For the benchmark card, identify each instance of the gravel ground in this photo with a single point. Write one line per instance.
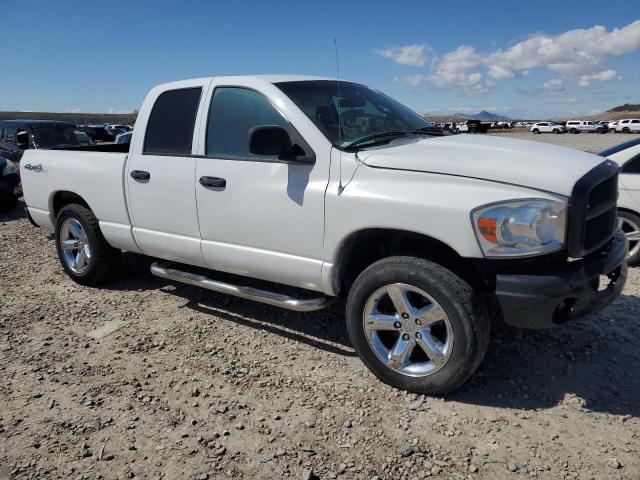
(201, 386)
(589, 142)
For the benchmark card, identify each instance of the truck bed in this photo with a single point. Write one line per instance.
(95, 175)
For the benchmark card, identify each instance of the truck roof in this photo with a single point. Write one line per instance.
(241, 78)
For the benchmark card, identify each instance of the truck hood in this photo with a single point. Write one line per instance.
(535, 165)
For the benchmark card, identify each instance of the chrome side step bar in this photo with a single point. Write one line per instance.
(262, 296)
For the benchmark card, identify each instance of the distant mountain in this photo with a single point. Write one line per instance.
(627, 107)
(628, 110)
(93, 118)
(486, 116)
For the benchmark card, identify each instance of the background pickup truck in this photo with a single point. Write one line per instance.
(338, 190)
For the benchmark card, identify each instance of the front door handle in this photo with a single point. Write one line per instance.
(140, 175)
(213, 182)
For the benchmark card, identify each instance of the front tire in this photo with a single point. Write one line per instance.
(416, 325)
(83, 251)
(629, 223)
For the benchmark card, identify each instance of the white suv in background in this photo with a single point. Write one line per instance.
(547, 127)
(577, 126)
(628, 126)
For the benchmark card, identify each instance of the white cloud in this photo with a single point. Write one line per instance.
(407, 55)
(555, 85)
(576, 55)
(603, 76)
(468, 84)
(500, 73)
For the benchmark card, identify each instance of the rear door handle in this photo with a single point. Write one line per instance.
(213, 182)
(140, 175)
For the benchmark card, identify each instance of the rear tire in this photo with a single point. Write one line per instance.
(446, 342)
(536, 131)
(83, 251)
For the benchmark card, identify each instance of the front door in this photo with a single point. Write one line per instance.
(259, 216)
(160, 177)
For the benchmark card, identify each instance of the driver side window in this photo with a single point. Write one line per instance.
(233, 113)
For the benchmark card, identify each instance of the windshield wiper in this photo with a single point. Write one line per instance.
(430, 129)
(375, 136)
(420, 131)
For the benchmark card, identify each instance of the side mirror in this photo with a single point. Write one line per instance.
(270, 140)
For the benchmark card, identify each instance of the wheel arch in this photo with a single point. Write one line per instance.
(629, 210)
(62, 198)
(364, 247)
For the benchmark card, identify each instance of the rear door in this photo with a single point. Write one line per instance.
(160, 173)
(266, 217)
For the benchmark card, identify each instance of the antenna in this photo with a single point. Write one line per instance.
(340, 187)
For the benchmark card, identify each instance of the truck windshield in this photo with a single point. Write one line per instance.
(349, 114)
(56, 136)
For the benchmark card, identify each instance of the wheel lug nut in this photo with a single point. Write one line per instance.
(397, 324)
(405, 336)
(418, 322)
(405, 315)
(418, 335)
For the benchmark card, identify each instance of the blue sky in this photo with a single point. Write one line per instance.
(524, 58)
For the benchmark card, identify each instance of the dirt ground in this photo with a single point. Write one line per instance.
(200, 386)
(589, 142)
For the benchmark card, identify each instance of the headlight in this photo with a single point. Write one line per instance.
(520, 227)
(9, 169)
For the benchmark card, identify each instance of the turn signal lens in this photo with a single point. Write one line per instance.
(487, 228)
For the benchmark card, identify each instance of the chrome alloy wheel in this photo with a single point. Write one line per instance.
(632, 232)
(408, 330)
(75, 246)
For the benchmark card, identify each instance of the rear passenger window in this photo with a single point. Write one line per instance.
(632, 166)
(234, 112)
(171, 123)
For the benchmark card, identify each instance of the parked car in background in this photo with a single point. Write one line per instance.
(547, 127)
(97, 133)
(9, 184)
(116, 130)
(124, 137)
(627, 155)
(628, 126)
(17, 136)
(461, 128)
(337, 189)
(580, 126)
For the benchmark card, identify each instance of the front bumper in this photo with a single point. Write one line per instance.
(573, 290)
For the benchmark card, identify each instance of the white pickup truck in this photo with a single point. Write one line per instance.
(578, 126)
(338, 190)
